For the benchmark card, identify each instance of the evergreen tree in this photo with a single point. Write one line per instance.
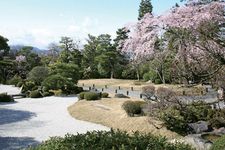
(122, 35)
(145, 7)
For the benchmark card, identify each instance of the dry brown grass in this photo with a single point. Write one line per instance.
(109, 112)
(127, 84)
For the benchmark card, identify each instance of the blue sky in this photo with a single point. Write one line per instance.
(40, 22)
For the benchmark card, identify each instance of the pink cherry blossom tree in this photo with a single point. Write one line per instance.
(188, 18)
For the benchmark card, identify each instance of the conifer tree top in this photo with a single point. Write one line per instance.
(144, 8)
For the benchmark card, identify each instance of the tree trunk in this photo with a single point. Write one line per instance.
(112, 74)
(138, 74)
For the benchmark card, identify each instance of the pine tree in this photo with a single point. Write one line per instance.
(145, 7)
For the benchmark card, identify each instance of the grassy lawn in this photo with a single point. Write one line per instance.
(109, 112)
(137, 85)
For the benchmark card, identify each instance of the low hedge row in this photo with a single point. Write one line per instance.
(92, 95)
(110, 140)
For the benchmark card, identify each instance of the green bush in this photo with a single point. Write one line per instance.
(110, 140)
(105, 95)
(91, 96)
(219, 144)
(158, 81)
(177, 119)
(38, 74)
(15, 80)
(134, 107)
(151, 75)
(6, 98)
(35, 94)
(81, 95)
(174, 121)
(56, 82)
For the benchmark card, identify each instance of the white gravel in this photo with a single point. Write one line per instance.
(34, 120)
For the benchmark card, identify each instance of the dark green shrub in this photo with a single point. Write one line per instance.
(110, 140)
(55, 82)
(158, 81)
(219, 144)
(217, 118)
(6, 98)
(177, 119)
(174, 121)
(38, 74)
(133, 107)
(35, 94)
(91, 96)
(81, 95)
(79, 90)
(105, 95)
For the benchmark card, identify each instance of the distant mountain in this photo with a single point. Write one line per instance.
(15, 48)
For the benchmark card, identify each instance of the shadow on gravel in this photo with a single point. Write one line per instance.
(15, 143)
(10, 116)
(8, 103)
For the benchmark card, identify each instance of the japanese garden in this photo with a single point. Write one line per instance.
(157, 84)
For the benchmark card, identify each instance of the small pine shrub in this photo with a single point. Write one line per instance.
(134, 107)
(219, 144)
(91, 96)
(6, 98)
(35, 94)
(105, 95)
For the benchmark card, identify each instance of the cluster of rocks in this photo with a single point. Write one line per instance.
(202, 130)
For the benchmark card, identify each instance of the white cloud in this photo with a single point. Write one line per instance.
(41, 36)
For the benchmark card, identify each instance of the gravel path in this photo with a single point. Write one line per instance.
(30, 121)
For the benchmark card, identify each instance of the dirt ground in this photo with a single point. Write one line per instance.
(109, 112)
(137, 85)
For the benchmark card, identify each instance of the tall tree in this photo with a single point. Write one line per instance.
(70, 51)
(121, 36)
(144, 8)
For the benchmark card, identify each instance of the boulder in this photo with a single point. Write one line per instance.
(196, 141)
(200, 127)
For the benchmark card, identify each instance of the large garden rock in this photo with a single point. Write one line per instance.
(197, 142)
(199, 127)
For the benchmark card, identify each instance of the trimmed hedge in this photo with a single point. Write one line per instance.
(81, 95)
(6, 98)
(133, 107)
(35, 94)
(110, 140)
(105, 95)
(91, 96)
